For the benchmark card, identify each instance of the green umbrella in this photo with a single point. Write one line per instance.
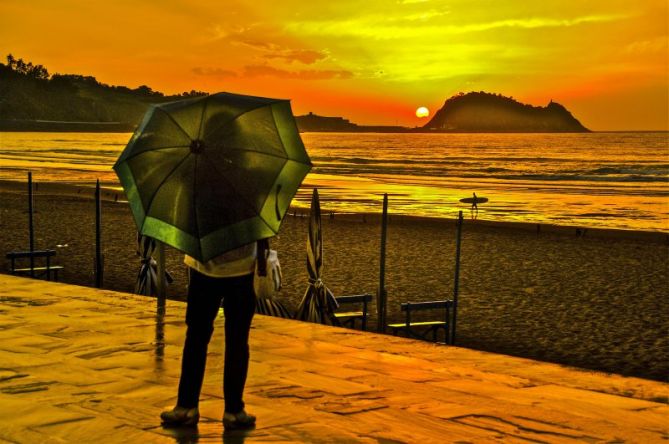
(210, 174)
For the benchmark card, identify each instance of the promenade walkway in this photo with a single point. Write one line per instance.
(94, 366)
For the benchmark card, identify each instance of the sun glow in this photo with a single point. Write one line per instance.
(422, 112)
(369, 62)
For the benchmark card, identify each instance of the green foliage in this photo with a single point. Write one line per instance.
(27, 69)
(29, 92)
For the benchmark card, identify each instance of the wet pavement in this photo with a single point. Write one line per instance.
(85, 365)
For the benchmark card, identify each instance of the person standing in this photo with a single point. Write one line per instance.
(228, 279)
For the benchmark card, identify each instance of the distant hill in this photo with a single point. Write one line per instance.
(314, 123)
(486, 112)
(31, 99)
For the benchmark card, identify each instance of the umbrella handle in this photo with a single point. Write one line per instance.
(263, 247)
(276, 202)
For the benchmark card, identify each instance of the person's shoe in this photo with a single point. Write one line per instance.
(241, 420)
(180, 416)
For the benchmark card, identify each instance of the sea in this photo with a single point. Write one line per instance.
(602, 179)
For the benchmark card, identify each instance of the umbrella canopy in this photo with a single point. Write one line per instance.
(210, 174)
(147, 278)
(318, 304)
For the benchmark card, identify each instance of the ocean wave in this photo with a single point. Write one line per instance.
(659, 170)
(491, 172)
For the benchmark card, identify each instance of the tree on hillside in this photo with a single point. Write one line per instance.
(193, 93)
(27, 69)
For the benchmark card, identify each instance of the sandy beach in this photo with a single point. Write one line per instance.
(589, 298)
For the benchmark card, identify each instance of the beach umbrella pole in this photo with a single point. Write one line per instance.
(31, 228)
(381, 295)
(98, 246)
(457, 276)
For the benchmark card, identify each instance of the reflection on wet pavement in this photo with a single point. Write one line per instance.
(87, 365)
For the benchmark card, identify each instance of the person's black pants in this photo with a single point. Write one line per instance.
(204, 299)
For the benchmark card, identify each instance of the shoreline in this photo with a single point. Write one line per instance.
(113, 194)
(55, 126)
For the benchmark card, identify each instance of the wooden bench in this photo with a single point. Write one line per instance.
(36, 271)
(421, 329)
(348, 318)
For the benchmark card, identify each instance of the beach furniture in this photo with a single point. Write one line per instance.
(421, 329)
(348, 318)
(46, 270)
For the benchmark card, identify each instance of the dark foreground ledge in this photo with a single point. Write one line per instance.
(87, 365)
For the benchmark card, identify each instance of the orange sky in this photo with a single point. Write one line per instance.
(373, 62)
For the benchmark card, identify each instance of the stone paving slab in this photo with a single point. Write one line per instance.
(86, 365)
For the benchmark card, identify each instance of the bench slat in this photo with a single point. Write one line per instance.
(416, 306)
(354, 298)
(417, 324)
(350, 314)
(35, 253)
(51, 268)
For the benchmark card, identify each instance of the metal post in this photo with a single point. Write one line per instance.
(457, 276)
(381, 294)
(161, 286)
(160, 333)
(98, 247)
(160, 306)
(31, 228)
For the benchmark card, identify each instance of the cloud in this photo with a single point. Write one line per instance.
(386, 28)
(303, 74)
(258, 44)
(656, 45)
(213, 72)
(274, 51)
(219, 32)
(305, 56)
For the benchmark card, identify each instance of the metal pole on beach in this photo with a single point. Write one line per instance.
(98, 247)
(381, 294)
(31, 228)
(457, 276)
(161, 286)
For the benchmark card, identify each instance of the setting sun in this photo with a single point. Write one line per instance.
(422, 112)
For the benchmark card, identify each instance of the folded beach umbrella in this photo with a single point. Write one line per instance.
(210, 174)
(272, 307)
(147, 278)
(318, 304)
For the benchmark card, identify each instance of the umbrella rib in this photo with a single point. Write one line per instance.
(262, 153)
(169, 116)
(133, 155)
(237, 116)
(235, 190)
(204, 109)
(167, 176)
(259, 214)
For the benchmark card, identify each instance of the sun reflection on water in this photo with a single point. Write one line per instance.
(618, 180)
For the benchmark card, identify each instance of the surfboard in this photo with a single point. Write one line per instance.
(477, 200)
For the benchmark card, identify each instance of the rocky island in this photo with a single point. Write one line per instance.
(474, 112)
(482, 112)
